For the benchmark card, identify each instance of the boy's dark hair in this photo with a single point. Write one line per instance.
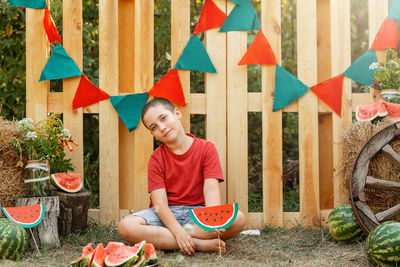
(155, 102)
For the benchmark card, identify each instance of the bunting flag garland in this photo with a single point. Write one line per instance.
(210, 17)
(394, 12)
(287, 88)
(387, 36)
(330, 91)
(50, 28)
(359, 70)
(237, 2)
(38, 4)
(169, 87)
(243, 17)
(259, 52)
(87, 94)
(60, 65)
(129, 108)
(195, 57)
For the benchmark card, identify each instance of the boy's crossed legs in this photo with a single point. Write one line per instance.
(136, 228)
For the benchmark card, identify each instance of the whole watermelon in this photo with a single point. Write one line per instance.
(13, 240)
(343, 225)
(383, 244)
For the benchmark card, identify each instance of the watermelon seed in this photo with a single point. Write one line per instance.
(216, 214)
(32, 216)
(207, 220)
(222, 217)
(222, 211)
(205, 213)
(25, 217)
(227, 211)
(215, 220)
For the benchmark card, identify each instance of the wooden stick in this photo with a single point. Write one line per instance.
(34, 241)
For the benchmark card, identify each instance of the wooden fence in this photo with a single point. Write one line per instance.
(126, 66)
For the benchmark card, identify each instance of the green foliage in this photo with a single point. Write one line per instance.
(387, 74)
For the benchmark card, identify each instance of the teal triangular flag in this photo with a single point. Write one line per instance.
(287, 88)
(237, 2)
(243, 17)
(394, 12)
(359, 71)
(38, 4)
(195, 57)
(59, 66)
(129, 108)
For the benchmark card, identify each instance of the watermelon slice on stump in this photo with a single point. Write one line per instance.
(215, 217)
(69, 182)
(27, 216)
(371, 111)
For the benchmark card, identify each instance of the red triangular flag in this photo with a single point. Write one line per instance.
(87, 94)
(50, 28)
(387, 36)
(259, 52)
(330, 91)
(169, 87)
(210, 17)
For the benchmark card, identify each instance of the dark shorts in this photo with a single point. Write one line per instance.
(181, 214)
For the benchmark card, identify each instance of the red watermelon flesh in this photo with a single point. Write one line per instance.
(123, 255)
(111, 246)
(87, 249)
(69, 182)
(393, 110)
(150, 253)
(215, 217)
(98, 257)
(27, 216)
(371, 111)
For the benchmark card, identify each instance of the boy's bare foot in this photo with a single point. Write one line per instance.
(210, 245)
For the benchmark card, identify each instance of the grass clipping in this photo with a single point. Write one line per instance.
(381, 167)
(11, 182)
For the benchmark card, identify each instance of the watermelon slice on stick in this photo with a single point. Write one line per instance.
(215, 217)
(27, 216)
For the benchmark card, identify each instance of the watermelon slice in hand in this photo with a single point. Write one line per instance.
(27, 216)
(69, 182)
(215, 217)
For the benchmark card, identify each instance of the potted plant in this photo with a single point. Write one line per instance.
(41, 151)
(387, 77)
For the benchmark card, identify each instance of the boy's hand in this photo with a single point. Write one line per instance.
(220, 232)
(185, 242)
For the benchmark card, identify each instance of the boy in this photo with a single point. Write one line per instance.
(183, 173)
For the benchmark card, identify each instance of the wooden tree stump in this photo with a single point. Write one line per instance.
(46, 233)
(73, 210)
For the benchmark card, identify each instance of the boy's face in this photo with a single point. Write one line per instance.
(163, 124)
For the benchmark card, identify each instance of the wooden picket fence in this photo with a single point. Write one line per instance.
(126, 30)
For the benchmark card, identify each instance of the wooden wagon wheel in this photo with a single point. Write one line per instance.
(359, 179)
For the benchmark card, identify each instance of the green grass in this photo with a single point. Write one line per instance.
(291, 201)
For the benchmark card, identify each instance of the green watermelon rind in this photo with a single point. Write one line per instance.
(53, 180)
(383, 244)
(343, 226)
(212, 228)
(13, 249)
(26, 225)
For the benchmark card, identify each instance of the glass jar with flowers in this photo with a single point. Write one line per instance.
(41, 149)
(387, 77)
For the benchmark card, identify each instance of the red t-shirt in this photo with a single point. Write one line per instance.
(183, 175)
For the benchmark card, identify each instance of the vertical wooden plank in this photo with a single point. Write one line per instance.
(271, 121)
(377, 12)
(215, 88)
(325, 119)
(108, 118)
(37, 53)
(72, 42)
(340, 60)
(180, 34)
(144, 75)
(237, 136)
(126, 44)
(308, 113)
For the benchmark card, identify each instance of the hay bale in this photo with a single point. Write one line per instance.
(11, 177)
(354, 138)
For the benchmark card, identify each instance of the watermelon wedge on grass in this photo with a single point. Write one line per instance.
(215, 217)
(27, 216)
